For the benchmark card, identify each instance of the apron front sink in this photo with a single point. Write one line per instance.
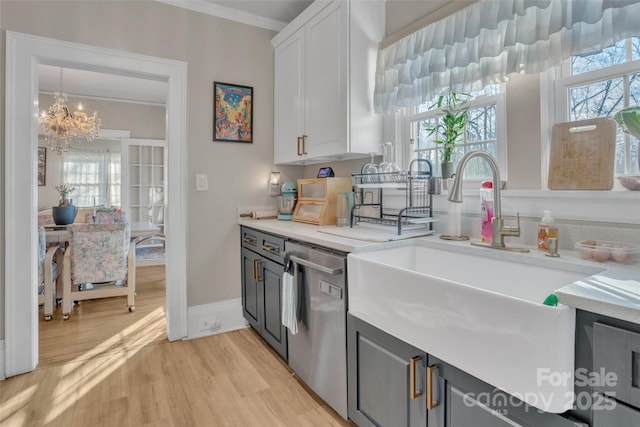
(483, 315)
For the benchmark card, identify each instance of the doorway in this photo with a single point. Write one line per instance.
(23, 54)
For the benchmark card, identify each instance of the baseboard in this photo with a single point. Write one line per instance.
(215, 318)
(2, 372)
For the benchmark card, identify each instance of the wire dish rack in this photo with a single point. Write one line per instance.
(403, 200)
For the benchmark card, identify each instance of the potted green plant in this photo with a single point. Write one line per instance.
(450, 128)
(629, 120)
(65, 213)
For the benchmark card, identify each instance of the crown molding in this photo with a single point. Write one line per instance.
(224, 12)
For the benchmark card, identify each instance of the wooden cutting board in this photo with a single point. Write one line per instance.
(582, 155)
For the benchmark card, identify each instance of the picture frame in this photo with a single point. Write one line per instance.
(42, 166)
(232, 112)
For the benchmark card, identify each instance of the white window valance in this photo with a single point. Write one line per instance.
(491, 39)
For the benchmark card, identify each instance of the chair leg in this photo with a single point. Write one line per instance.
(131, 278)
(48, 294)
(66, 286)
(48, 282)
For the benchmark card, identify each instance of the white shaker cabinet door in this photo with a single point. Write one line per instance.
(326, 81)
(289, 99)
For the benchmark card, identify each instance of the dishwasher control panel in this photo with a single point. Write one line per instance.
(330, 289)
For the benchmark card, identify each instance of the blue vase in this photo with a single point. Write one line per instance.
(64, 215)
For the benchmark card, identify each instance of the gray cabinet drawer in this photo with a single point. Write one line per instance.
(614, 414)
(268, 245)
(617, 351)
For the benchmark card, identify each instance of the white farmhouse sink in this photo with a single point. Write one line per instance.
(482, 315)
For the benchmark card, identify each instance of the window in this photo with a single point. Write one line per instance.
(93, 174)
(485, 131)
(600, 84)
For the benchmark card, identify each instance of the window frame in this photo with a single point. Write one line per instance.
(409, 115)
(554, 100)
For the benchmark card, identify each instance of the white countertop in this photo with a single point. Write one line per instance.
(311, 233)
(612, 290)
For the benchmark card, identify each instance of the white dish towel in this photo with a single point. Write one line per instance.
(289, 299)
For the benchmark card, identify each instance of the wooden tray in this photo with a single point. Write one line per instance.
(582, 155)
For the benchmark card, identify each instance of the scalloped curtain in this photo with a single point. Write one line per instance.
(489, 40)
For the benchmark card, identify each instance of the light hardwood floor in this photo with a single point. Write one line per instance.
(108, 367)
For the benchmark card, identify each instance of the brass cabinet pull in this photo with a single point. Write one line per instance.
(249, 240)
(304, 139)
(413, 393)
(256, 270)
(430, 403)
(272, 249)
(299, 152)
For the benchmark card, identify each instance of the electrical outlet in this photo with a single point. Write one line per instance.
(210, 324)
(217, 324)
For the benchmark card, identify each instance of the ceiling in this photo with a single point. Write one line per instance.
(270, 14)
(278, 10)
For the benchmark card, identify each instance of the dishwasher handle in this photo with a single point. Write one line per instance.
(313, 265)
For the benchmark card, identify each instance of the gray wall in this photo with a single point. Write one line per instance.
(215, 49)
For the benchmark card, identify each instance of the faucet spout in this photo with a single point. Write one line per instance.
(499, 231)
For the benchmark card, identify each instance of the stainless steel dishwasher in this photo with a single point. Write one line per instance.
(318, 352)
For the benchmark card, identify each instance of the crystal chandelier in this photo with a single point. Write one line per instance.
(61, 128)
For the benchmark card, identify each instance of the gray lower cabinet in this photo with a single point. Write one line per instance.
(460, 399)
(392, 383)
(613, 413)
(386, 378)
(608, 361)
(261, 295)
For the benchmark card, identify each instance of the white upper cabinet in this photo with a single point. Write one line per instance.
(324, 81)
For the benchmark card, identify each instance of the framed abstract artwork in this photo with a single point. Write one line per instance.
(42, 166)
(232, 112)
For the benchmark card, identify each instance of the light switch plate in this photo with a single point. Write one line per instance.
(202, 182)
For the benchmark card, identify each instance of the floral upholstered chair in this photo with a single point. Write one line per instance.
(49, 268)
(108, 217)
(98, 263)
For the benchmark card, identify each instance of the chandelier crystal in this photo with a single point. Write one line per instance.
(61, 128)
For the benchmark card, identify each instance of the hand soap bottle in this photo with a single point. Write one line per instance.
(486, 200)
(546, 230)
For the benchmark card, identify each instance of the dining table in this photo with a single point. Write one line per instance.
(139, 230)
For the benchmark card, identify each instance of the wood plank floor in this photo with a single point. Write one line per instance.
(108, 367)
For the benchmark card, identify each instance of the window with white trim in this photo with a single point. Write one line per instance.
(93, 174)
(485, 131)
(598, 85)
